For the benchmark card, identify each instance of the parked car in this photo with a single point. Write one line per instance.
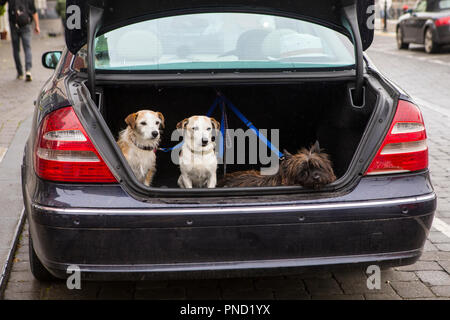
(428, 24)
(296, 66)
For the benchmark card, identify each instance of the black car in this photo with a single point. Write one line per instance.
(296, 66)
(428, 23)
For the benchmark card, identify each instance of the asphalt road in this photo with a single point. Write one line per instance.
(427, 78)
(422, 75)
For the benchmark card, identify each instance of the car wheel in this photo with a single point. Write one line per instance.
(400, 44)
(430, 45)
(37, 268)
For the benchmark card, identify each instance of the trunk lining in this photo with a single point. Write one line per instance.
(303, 112)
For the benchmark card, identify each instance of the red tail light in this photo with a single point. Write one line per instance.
(442, 22)
(65, 153)
(404, 149)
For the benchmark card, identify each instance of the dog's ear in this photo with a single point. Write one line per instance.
(131, 120)
(215, 123)
(286, 154)
(182, 124)
(160, 115)
(315, 147)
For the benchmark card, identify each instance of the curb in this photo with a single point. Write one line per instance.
(14, 213)
(385, 34)
(7, 267)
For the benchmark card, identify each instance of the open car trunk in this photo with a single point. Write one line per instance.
(303, 113)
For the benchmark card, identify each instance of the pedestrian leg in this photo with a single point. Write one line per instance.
(26, 42)
(15, 40)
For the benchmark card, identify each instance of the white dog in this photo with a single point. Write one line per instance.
(198, 162)
(139, 143)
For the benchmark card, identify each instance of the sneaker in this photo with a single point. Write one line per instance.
(19, 77)
(28, 76)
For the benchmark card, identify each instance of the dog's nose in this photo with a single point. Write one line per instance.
(155, 134)
(204, 142)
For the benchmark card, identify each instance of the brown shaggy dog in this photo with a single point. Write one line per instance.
(308, 168)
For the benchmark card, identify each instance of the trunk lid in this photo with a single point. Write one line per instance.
(117, 13)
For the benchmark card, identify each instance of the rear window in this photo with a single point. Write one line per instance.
(222, 41)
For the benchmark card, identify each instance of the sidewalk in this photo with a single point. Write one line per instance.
(391, 24)
(17, 97)
(16, 108)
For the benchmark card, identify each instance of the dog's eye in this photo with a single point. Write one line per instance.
(143, 123)
(157, 122)
(209, 129)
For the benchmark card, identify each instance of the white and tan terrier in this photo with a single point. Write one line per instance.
(139, 143)
(198, 161)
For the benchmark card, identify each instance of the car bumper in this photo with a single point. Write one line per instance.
(443, 35)
(149, 242)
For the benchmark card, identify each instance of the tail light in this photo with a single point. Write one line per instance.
(404, 149)
(442, 22)
(65, 153)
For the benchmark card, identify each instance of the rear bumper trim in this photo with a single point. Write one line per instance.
(241, 265)
(240, 209)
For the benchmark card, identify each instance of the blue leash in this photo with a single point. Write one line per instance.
(223, 103)
(173, 148)
(250, 125)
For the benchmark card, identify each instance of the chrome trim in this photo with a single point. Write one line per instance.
(241, 209)
(239, 265)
